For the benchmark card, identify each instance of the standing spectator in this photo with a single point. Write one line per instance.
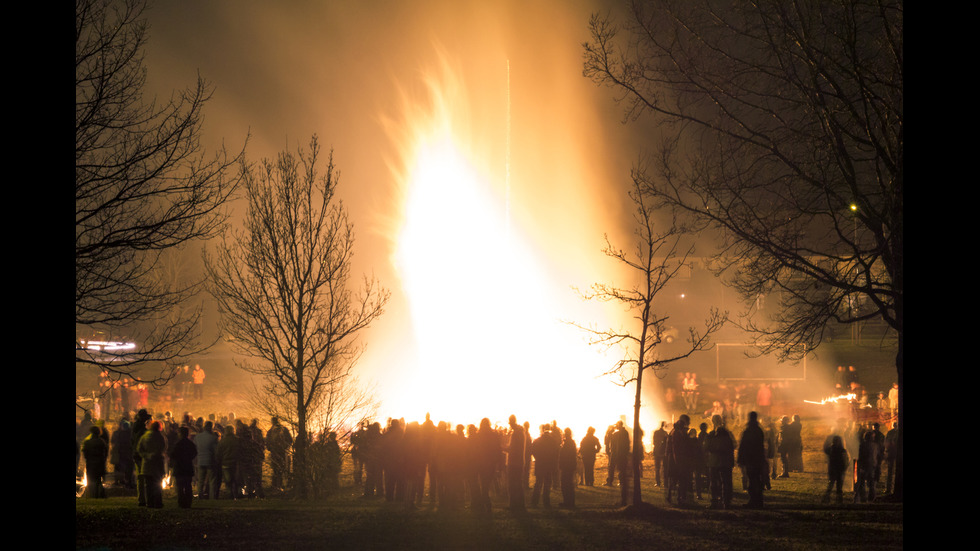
(687, 390)
(353, 448)
(720, 448)
(796, 444)
(487, 457)
(684, 456)
(182, 461)
(659, 454)
(527, 455)
(198, 379)
(227, 454)
(893, 400)
(332, 449)
(866, 464)
(208, 478)
(620, 445)
(701, 480)
(545, 450)
(879, 440)
(772, 445)
(567, 465)
(588, 449)
(515, 466)
(279, 441)
(752, 457)
(121, 452)
(184, 381)
(891, 456)
(837, 461)
(152, 449)
(140, 426)
(256, 459)
(610, 466)
(96, 453)
(786, 444)
(125, 395)
(371, 451)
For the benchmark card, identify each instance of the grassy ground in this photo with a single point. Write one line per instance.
(793, 518)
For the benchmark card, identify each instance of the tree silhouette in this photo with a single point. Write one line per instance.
(282, 283)
(782, 133)
(144, 188)
(657, 259)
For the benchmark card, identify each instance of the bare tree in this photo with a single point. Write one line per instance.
(143, 186)
(782, 125)
(656, 260)
(282, 283)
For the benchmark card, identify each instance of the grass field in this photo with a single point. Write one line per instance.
(793, 518)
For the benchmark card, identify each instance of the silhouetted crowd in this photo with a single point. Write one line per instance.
(465, 466)
(213, 456)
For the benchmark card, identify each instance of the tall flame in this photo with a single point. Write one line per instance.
(486, 309)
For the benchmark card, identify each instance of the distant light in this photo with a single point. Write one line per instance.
(683, 295)
(109, 345)
(854, 207)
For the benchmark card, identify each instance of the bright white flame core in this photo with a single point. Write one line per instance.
(486, 313)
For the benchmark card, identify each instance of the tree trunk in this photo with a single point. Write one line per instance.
(637, 440)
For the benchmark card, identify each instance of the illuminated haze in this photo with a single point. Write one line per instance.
(479, 234)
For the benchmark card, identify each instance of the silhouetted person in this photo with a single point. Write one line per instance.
(785, 443)
(752, 458)
(891, 456)
(879, 440)
(867, 462)
(610, 466)
(355, 453)
(208, 478)
(684, 457)
(527, 455)
(332, 457)
(567, 467)
(720, 448)
(182, 461)
(140, 426)
(660, 453)
(486, 448)
(837, 462)
(121, 452)
(515, 466)
(619, 444)
(796, 444)
(228, 454)
(152, 448)
(279, 441)
(96, 453)
(373, 471)
(391, 452)
(545, 454)
(589, 447)
(701, 480)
